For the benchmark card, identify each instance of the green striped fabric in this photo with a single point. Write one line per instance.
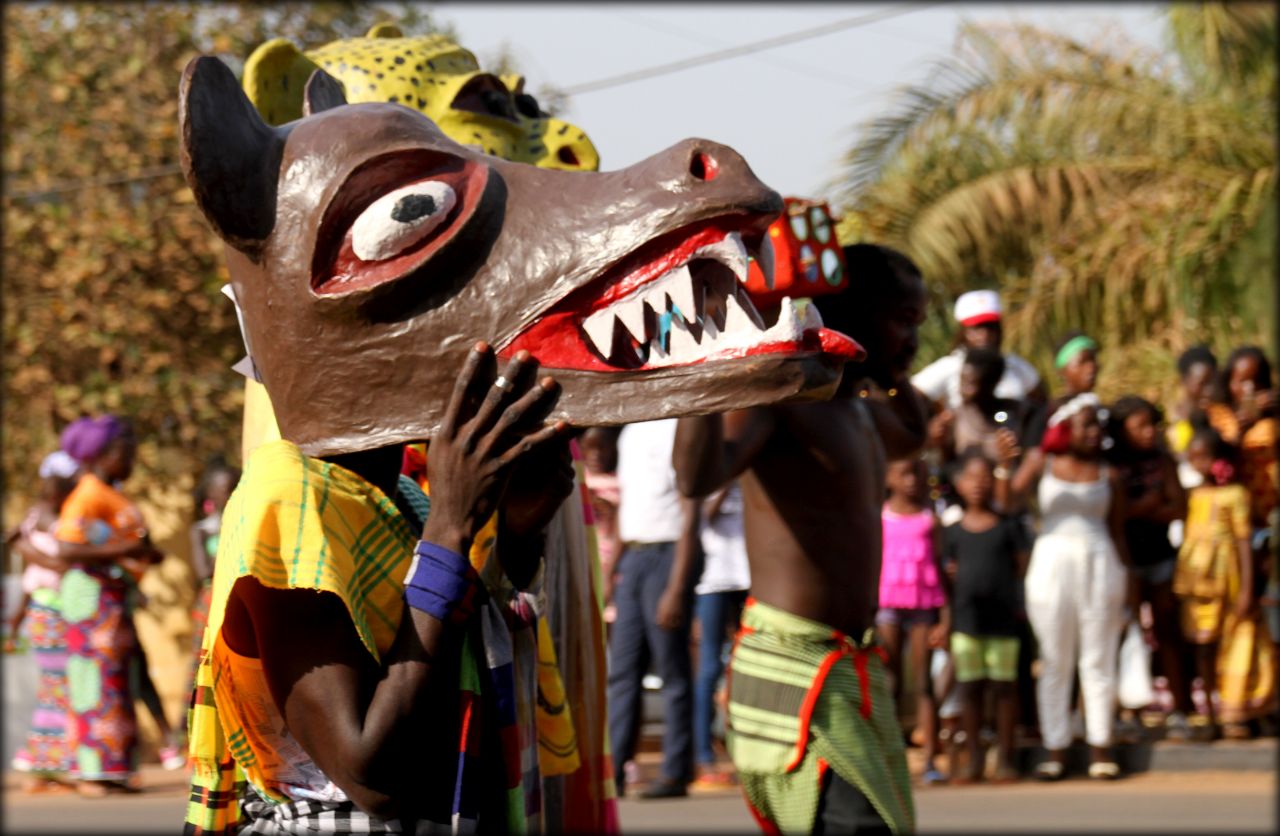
(775, 679)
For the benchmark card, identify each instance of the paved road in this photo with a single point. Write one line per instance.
(1188, 802)
(20, 678)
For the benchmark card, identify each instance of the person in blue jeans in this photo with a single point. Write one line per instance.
(721, 592)
(653, 592)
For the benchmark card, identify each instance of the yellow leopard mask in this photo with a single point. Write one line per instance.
(431, 74)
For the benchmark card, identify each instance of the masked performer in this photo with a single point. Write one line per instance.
(434, 75)
(368, 252)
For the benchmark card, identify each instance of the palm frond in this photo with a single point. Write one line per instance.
(1225, 46)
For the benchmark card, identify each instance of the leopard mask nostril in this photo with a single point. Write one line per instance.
(566, 156)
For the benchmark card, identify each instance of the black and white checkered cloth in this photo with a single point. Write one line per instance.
(307, 818)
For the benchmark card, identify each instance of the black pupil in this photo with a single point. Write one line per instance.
(413, 206)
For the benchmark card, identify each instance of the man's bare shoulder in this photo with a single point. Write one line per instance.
(838, 412)
(835, 430)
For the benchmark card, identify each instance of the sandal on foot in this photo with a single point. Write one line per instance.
(714, 780)
(93, 789)
(1236, 731)
(42, 786)
(1104, 770)
(1050, 771)
(171, 758)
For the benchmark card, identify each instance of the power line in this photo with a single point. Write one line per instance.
(587, 87)
(777, 61)
(743, 49)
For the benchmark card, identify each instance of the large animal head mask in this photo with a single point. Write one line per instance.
(369, 252)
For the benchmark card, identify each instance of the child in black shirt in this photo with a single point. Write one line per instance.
(990, 556)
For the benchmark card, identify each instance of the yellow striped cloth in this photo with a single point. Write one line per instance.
(295, 522)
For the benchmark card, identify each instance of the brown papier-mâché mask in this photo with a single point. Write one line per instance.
(369, 252)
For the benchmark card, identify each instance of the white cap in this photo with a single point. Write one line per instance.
(1084, 400)
(58, 464)
(977, 307)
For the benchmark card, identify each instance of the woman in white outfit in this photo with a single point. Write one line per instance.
(1078, 584)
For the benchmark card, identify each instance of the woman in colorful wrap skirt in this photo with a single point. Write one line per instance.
(101, 536)
(44, 757)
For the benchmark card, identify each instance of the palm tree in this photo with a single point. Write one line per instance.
(1125, 193)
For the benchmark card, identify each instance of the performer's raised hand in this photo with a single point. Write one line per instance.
(488, 425)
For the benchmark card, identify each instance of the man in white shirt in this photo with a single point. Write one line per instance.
(653, 595)
(721, 593)
(978, 313)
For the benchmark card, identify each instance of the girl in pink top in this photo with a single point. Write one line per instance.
(912, 597)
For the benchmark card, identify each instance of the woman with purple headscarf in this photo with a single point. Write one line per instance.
(101, 536)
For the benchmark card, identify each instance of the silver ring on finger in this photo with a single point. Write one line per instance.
(503, 384)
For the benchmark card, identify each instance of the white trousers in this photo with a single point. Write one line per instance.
(1075, 602)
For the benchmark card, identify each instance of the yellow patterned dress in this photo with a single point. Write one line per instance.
(1207, 581)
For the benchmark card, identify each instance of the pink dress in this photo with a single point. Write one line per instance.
(908, 570)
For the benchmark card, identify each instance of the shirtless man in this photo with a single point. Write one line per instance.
(815, 739)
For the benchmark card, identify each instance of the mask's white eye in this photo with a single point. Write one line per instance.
(400, 219)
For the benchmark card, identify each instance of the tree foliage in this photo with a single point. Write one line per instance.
(111, 275)
(1097, 186)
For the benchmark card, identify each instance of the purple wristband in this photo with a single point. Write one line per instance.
(440, 583)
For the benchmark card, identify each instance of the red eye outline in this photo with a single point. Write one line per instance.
(337, 270)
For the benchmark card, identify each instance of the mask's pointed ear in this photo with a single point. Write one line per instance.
(230, 157)
(322, 92)
(384, 30)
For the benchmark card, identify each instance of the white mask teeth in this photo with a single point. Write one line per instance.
(683, 346)
(681, 290)
(631, 314)
(599, 330)
(729, 251)
(812, 317)
(695, 334)
(789, 325)
(736, 319)
(657, 300)
(765, 259)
